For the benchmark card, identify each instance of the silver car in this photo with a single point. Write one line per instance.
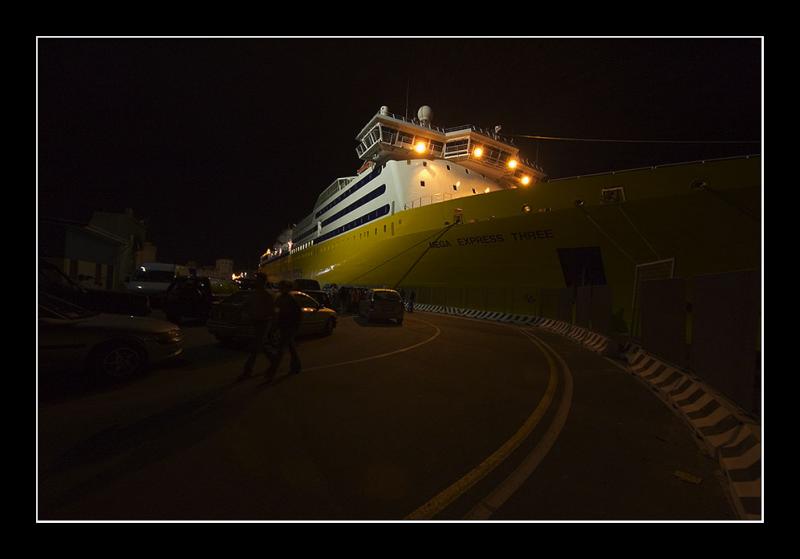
(114, 346)
(227, 323)
(382, 304)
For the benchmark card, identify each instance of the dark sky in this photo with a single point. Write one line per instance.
(222, 143)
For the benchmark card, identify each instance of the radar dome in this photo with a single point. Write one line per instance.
(425, 114)
(384, 110)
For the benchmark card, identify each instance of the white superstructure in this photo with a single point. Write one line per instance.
(408, 164)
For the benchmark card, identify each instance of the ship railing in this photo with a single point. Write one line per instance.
(479, 130)
(428, 200)
(415, 122)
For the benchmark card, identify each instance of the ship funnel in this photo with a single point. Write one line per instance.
(425, 115)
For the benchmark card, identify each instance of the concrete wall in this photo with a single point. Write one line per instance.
(708, 324)
(725, 334)
(663, 319)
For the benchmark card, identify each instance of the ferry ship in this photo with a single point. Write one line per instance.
(461, 218)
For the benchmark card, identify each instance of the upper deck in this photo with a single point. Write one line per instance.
(389, 136)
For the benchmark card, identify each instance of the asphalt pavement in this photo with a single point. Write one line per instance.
(427, 420)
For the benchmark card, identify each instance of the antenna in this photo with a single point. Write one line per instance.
(408, 86)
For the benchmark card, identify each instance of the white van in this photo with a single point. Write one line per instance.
(151, 278)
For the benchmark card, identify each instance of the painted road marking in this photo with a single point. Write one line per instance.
(447, 496)
(381, 355)
(513, 482)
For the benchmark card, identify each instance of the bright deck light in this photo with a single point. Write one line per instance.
(525, 179)
(420, 147)
(477, 152)
(512, 163)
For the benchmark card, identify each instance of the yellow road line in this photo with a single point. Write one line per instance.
(514, 481)
(443, 499)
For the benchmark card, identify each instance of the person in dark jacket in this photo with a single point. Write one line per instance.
(260, 311)
(288, 323)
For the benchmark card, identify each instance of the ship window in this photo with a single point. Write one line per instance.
(408, 162)
(422, 183)
(467, 170)
(384, 228)
(455, 187)
(424, 163)
(614, 195)
(473, 191)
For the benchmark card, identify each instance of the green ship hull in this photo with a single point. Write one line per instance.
(515, 250)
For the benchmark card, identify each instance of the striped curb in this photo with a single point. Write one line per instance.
(591, 340)
(729, 435)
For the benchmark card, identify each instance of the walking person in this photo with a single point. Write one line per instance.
(259, 309)
(288, 323)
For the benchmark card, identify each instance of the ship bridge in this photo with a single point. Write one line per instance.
(388, 136)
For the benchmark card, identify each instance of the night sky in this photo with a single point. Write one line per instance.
(222, 143)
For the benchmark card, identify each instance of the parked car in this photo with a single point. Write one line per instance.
(188, 298)
(306, 284)
(152, 279)
(226, 323)
(382, 304)
(246, 283)
(73, 339)
(54, 282)
(221, 288)
(321, 297)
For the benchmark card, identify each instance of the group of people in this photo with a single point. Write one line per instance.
(347, 298)
(260, 309)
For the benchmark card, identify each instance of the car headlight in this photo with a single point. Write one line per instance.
(170, 337)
